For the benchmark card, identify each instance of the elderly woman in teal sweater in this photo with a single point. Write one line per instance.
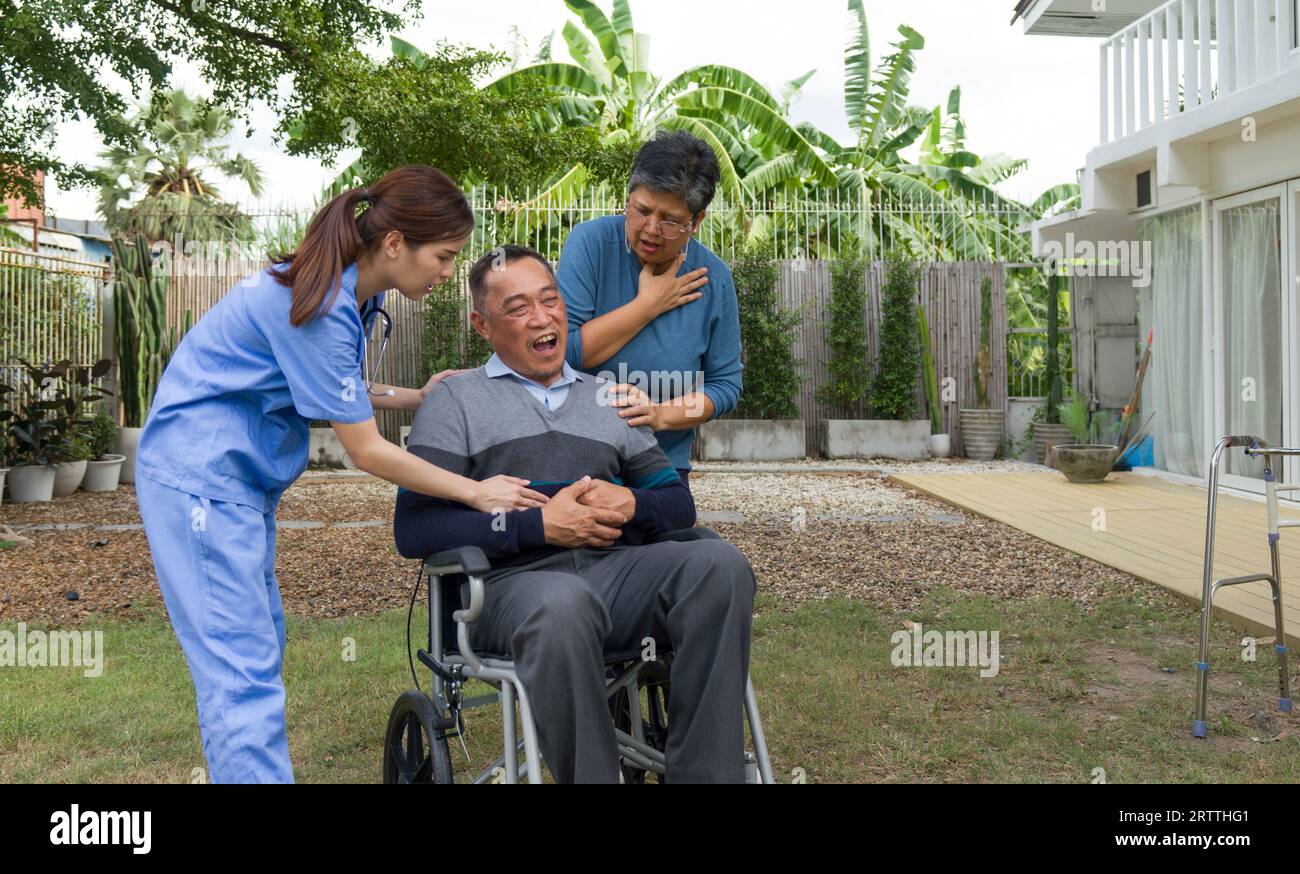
(649, 307)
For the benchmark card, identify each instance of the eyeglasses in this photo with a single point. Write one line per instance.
(669, 230)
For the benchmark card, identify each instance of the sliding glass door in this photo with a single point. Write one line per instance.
(1254, 377)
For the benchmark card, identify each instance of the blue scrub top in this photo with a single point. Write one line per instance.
(229, 420)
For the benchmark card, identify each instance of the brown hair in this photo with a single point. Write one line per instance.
(419, 202)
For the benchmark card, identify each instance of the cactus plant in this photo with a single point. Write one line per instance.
(930, 376)
(144, 341)
(983, 366)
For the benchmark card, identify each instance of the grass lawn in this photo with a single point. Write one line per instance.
(1078, 690)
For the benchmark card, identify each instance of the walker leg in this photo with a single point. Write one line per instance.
(1199, 726)
(1279, 643)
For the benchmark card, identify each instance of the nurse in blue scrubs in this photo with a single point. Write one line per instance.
(228, 433)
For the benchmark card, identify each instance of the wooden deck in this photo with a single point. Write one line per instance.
(1154, 530)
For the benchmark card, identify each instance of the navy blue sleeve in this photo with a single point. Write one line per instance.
(668, 507)
(423, 525)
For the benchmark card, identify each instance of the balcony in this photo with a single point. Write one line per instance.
(1191, 53)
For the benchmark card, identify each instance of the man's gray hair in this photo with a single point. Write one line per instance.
(677, 163)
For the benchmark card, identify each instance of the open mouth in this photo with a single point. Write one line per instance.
(546, 344)
(649, 248)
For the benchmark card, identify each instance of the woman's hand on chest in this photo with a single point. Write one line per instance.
(668, 291)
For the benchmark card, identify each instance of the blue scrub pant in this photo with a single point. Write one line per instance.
(215, 563)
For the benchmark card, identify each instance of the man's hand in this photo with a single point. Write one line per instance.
(608, 496)
(571, 524)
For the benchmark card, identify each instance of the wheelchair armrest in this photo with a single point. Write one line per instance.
(461, 560)
(686, 534)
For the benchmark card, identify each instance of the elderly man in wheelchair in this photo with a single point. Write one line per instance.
(591, 606)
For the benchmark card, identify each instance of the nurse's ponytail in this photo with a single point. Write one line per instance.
(420, 202)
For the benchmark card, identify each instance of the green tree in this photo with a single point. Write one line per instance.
(419, 107)
(54, 55)
(163, 181)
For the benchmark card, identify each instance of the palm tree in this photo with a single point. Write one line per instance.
(164, 181)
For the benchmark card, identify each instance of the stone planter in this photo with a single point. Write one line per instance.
(68, 476)
(31, 482)
(1086, 463)
(128, 444)
(981, 433)
(875, 438)
(941, 445)
(752, 440)
(102, 475)
(1047, 436)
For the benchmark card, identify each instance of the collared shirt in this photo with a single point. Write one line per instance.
(548, 396)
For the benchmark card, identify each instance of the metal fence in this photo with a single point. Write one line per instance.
(1027, 362)
(50, 310)
(779, 227)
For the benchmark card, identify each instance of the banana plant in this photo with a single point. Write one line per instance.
(608, 83)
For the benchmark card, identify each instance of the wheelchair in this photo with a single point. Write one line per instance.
(421, 724)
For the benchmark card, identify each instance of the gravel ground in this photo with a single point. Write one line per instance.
(809, 536)
(884, 465)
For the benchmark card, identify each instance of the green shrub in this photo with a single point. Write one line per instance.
(767, 337)
(846, 341)
(893, 395)
(99, 435)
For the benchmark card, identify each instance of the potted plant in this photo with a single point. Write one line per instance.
(1050, 432)
(766, 425)
(144, 341)
(104, 467)
(74, 390)
(940, 441)
(894, 431)
(38, 441)
(1089, 459)
(982, 427)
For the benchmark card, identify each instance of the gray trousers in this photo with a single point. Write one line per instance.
(559, 616)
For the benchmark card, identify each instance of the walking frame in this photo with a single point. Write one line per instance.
(1253, 447)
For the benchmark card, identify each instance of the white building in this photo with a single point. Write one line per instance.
(1197, 153)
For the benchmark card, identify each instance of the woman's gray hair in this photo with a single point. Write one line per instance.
(677, 163)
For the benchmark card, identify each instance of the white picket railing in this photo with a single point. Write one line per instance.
(1188, 53)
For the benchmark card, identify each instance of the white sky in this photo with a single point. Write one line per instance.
(1028, 96)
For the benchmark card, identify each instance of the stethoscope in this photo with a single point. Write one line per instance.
(383, 347)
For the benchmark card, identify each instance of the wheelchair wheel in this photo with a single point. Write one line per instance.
(414, 752)
(654, 721)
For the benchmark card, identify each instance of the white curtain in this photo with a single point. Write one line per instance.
(1172, 395)
(1252, 327)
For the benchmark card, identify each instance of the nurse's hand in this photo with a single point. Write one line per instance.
(437, 378)
(503, 492)
(667, 291)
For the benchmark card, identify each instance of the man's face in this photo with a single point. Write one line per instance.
(525, 320)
